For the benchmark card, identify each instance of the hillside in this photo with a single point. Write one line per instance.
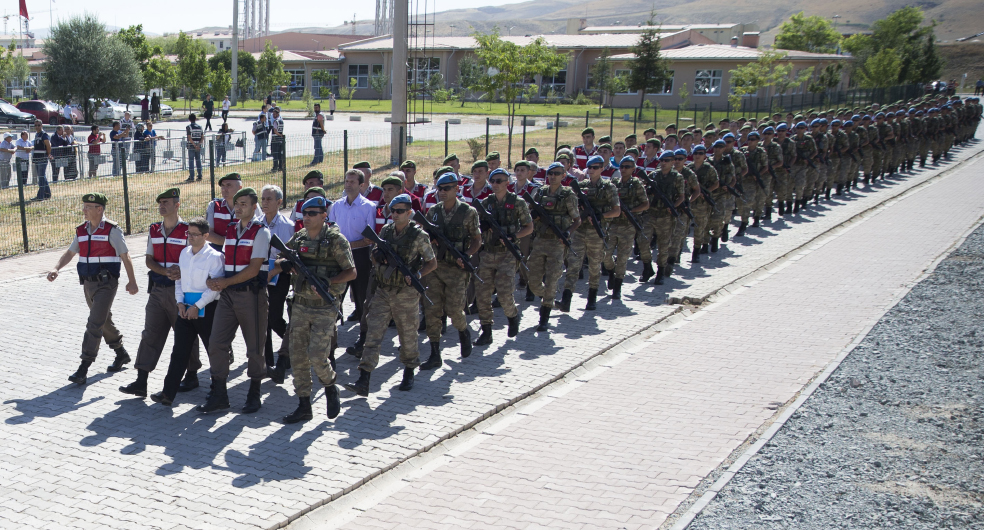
(963, 58)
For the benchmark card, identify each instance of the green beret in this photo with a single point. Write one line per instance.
(798, 117)
(531, 151)
(392, 180)
(605, 139)
(742, 119)
(95, 198)
(632, 150)
(173, 193)
(709, 126)
(442, 170)
(668, 136)
(362, 165)
(523, 163)
(605, 146)
(563, 156)
(563, 146)
(654, 142)
(587, 130)
(811, 111)
(746, 128)
(494, 155)
(314, 174)
(685, 134)
(710, 134)
(408, 164)
(670, 126)
(449, 158)
(649, 130)
(631, 136)
(243, 193)
(480, 163)
(317, 189)
(724, 120)
(230, 176)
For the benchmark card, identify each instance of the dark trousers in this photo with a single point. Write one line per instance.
(278, 152)
(277, 298)
(186, 335)
(99, 296)
(360, 285)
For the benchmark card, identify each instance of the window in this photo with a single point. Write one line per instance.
(624, 74)
(296, 80)
(423, 69)
(221, 44)
(556, 83)
(359, 72)
(707, 83)
(331, 85)
(667, 88)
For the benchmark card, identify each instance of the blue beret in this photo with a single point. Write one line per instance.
(856, 117)
(849, 123)
(728, 136)
(680, 152)
(315, 202)
(781, 127)
(879, 115)
(900, 113)
(801, 125)
(919, 113)
(835, 122)
(754, 135)
(556, 165)
(402, 198)
(447, 178)
(823, 121)
(596, 160)
(867, 117)
(500, 171)
(912, 109)
(667, 155)
(700, 149)
(718, 143)
(768, 130)
(627, 159)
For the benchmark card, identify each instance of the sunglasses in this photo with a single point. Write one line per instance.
(679, 158)
(498, 181)
(729, 141)
(626, 167)
(193, 234)
(312, 213)
(555, 173)
(446, 187)
(400, 210)
(594, 167)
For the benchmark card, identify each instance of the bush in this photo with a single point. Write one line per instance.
(646, 104)
(475, 147)
(441, 96)
(582, 99)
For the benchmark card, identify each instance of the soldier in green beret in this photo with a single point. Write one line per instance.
(101, 249)
(493, 160)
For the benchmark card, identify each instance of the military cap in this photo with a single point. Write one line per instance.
(531, 151)
(230, 176)
(746, 128)
(633, 150)
(919, 113)
(768, 130)
(879, 115)
(654, 142)
(631, 136)
(856, 117)
(815, 123)
(587, 130)
(668, 136)
(563, 146)
(499, 171)
(781, 127)
(480, 163)
(315, 202)
(317, 189)
(699, 149)
(724, 120)
(728, 136)
(362, 165)
(402, 198)
(173, 193)
(649, 130)
(523, 163)
(605, 139)
(447, 178)
(408, 164)
(836, 122)
(801, 125)
(447, 160)
(667, 155)
(556, 165)
(866, 117)
(811, 111)
(710, 134)
(627, 159)
(823, 121)
(494, 155)
(900, 113)
(849, 123)
(595, 159)
(670, 126)
(394, 181)
(680, 152)
(243, 193)
(754, 135)
(95, 198)
(605, 146)
(709, 125)
(798, 117)
(685, 134)
(314, 174)
(442, 170)
(563, 156)
(718, 143)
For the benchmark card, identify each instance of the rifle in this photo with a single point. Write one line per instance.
(590, 211)
(800, 154)
(685, 205)
(707, 197)
(295, 260)
(757, 175)
(436, 234)
(633, 220)
(771, 171)
(851, 152)
(545, 217)
(662, 197)
(395, 262)
(500, 233)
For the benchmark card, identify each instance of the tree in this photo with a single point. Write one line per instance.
(346, 92)
(270, 72)
(160, 73)
(807, 34)
(912, 43)
(650, 71)
(220, 81)
(83, 63)
(768, 71)
(193, 72)
(601, 75)
(378, 82)
(326, 80)
(880, 70)
(509, 66)
(828, 78)
(134, 38)
(246, 63)
(469, 75)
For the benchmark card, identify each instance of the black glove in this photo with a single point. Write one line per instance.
(287, 266)
(379, 256)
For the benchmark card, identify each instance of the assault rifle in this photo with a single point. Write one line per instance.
(633, 220)
(436, 234)
(651, 186)
(395, 262)
(757, 175)
(590, 212)
(804, 156)
(707, 197)
(299, 265)
(500, 233)
(545, 217)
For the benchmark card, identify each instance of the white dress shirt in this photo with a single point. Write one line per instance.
(353, 218)
(195, 270)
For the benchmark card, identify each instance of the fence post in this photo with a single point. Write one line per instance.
(611, 122)
(126, 191)
(399, 159)
(678, 117)
(20, 194)
(635, 120)
(710, 108)
(445, 138)
(211, 164)
(486, 136)
(586, 114)
(345, 150)
(556, 134)
(523, 155)
(695, 114)
(283, 166)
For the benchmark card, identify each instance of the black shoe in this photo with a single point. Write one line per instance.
(660, 272)
(592, 300)
(724, 234)
(789, 208)
(529, 294)
(421, 328)
(253, 403)
(332, 404)
(513, 326)
(137, 388)
(278, 372)
(782, 210)
(667, 270)
(704, 249)
(617, 289)
(796, 206)
(840, 190)
(190, 179)
(302, 412)
(189, 383)
(544, 318)
(218, 397)
(122, 358)
(407, 384)
(714, 244)
(486, 336)
(647, 271)
(695, 257)
(434, 360)
(741, 230)
(79, 376)
(354, 317)
(565, 301)
(464, 337)
(755, 223)
(199, 177)
(355, 351)
(161, 398)
(360, 387)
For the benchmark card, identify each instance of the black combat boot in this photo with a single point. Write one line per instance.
(796, 206)
(464, 337)
(333, 405)
(647, 272)
(724, 233)
(617, 289)
(279, 372)
(782, 210)
(80, 375)
(356, 349)
(789, 207)
(659, 275)
(529, 294)
(121, 359)
(406, 384)
(161, 398)
(513, 325)
(922, 161)
(695, 257)
(189, 383)
(668, 270)
(816, 198)
(137, 388)
(840, 190)
(768, 211)
(544, 318)
(755, 221)
(592, 300)
(302, 412)
(714, 244)
(218, 397)
(826, 195)
(361, 386)
(705, 248)
(434, 360)
(486, 336)
(741, 230)
(252, 397)
(565, 301)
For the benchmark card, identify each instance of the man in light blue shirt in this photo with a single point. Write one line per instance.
(353, 213)
(271, 199)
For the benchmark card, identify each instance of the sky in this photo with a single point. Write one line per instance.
(172, 15)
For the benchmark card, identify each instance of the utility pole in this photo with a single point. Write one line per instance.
(399, 77)
(235, 51)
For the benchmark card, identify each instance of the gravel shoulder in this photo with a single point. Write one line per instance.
(895, 437)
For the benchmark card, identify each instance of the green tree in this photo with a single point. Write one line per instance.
(808, 34)
(470, 74)
(828, 78)
(768, 72)
(913, 43)
(83, 63)
(601, 77)
(308, 101)
(378, 82)
(326, 80)
(346, 92)
(193, 72)
(135, 39)
(270, 72)
(650, 71)
(509, 67)
(220, 81)
(246, 63)
(20, 69)
(160, 73)
(880, 70)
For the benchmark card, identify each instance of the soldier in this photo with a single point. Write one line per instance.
(877, 154)
(804, 151)
(865, 147)
(723, 196)
(497, 267)
(839, 157)
(816, 175)
(587, 149)
(539, 174)
(853, 161)
(692, 191)
(758, 161)
(447, 285)
(495, 162)
(101, 249)
(673, 186)
(313, 179)
(414, 188)
(781, 182)
(165, 241)
(621, 234)
(242, 303)
(524, 182)
(707, 177)
(585, 241)
(327, 254)
(549, 252)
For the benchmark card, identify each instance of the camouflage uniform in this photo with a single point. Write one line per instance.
(673, 186)
(394, 299)
(877, 150)
(756, 159)
(312, 320)
(782, 184)
(585, 240)
(853, 155)
(722, 197)
(446, 286)
(793, 186)
(864, 149)
(839, 161)
(498, 266)
(805, 149)
(706, 176)
(621, 233)
(549, 253)
(679, 237)
(817, 176)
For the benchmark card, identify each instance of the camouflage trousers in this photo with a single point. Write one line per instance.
(446, 287)
(679, 236)
(620, 239)
(898, 154)
(783, 184)
(798, 176)
(702, 219)
(912, 148)
(587, 244)
(947, 142)
(311, 331)
(867, 158)
(401, 305)
(746, 203)
(644, 238)
(546, 263)
(498, 272)
(664, 225)
(838, 171)
(722, 215)
(812, 180)
(763, 198)
(924, 145)
(877, 161)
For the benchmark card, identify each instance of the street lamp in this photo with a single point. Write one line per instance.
(452, 26)
(835, 20)
(317, 42)
(509, 30)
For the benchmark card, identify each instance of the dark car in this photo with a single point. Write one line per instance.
(11, 114)
(45, 111)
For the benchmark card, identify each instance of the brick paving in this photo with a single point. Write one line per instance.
(92, 457)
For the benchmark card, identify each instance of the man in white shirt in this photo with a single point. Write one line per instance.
(353, 213)
(271, 199)
(198, 263)
(226, 104)
(7, 150)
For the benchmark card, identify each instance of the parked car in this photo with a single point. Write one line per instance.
(45, 111)
(11, 114)
(107, 110)
(77, 115)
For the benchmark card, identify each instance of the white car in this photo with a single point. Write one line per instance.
(134, 106)
(107, 110)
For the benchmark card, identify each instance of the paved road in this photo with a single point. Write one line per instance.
(92, 457)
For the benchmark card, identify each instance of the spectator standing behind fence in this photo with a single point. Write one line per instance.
(72, 169)
(277, 146)
(331, 104)
(155, 107)
(144, 109)
(140, 164)
(94, 141)
(22, 158)
(318, 132)
(226, 104)
(58, 144)
(223, 141)
(150, 135)
(261, 131)
(208, 107)
(195, 135)
(119, 137)
(67, 113)
(39, 158)
(7, 150)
